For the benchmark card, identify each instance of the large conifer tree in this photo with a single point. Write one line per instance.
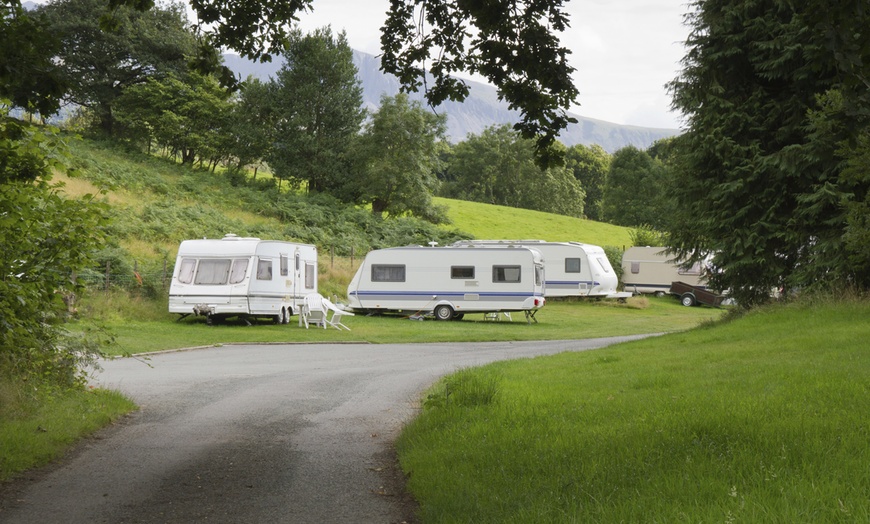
(757, 185)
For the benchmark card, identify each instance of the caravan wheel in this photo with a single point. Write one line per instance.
(443, 312)
(285, 315)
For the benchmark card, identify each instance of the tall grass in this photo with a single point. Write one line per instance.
(37, 430)
(762, 419)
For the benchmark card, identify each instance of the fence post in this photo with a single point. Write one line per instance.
(351, 258)
(108, 267)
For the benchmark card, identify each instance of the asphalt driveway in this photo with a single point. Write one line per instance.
(292, 433)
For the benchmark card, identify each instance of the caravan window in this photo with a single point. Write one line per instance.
(539, 275)
(388, 273)
(185, 274)
(310, 275)
(572, 265)
(285, 265)
(694, 270)
(635, 268)
(605, 266)
(506, 273)
(240, 269)
(212, 272)
(264, 269)
(461, 271)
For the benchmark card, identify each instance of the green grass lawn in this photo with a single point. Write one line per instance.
(557, 320)
(761, 419)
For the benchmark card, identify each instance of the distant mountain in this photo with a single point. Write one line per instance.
(480, 110)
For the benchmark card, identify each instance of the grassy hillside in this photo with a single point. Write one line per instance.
(156, 204)
(159, 203)
(487, 221)
(763, 419)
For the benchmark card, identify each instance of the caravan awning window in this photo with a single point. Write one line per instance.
(212, 271)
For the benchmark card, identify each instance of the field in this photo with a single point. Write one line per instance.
(557, 320)
(761, 419)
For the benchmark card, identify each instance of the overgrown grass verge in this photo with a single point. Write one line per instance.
(760, 419)
(35, 431)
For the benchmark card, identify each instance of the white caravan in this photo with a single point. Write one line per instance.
(573, 269)
(244, 277)
(449, 281)
(650, 270)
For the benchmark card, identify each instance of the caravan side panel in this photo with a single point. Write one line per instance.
(420, 279)
(573, 269)
(649, 270)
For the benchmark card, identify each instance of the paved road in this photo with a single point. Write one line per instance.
(254, 434)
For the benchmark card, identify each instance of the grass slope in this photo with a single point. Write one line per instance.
(763, 419)
(487, 221)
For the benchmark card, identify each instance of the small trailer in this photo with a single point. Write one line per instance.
(448, 282)
(651, 270)
(695, 295)
(573, 269)
(242, 277)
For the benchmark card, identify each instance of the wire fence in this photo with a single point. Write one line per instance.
(131, 276)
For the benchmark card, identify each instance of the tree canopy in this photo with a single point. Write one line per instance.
(761, 183)
(513, 43)
(317, 110)
(98, 65)
(396, 155)
(498, 167)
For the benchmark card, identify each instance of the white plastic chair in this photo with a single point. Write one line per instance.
(334, 314)
(314, 311)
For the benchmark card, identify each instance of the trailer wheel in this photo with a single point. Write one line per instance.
(443, 312)
(458, 316)
(687, 299)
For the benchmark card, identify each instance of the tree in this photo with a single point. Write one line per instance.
(396, 156)
(46, 238)
(29, 78)
(317, 103)
(635, 191)
(187, 116)
(590, 165)
(759, 185)
(251, 124)
(513, 44)
(498, 167)
(98, 65)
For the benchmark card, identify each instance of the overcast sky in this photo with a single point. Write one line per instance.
(624, 51)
